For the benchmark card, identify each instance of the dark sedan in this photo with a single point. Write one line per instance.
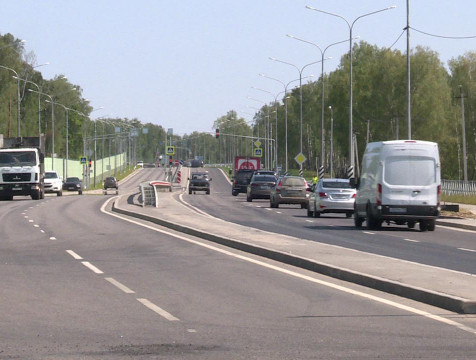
(73, 184)
(260, 187)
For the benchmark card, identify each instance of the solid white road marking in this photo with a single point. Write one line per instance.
(191, 330)
(158, 310)
(368, 232)
(304, 277)
(120, 286)
(91, 267)
(309, 221)
(463, 249)
(74, 255)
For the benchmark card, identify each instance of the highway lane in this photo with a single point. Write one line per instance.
(80, 283)
(441, 248)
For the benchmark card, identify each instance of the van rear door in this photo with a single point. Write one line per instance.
(410, 178)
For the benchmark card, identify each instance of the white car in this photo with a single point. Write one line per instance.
(53, 183)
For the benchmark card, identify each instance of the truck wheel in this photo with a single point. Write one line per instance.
(423, 225)
(59, 193)
(411, 224)
(431, 225)
(36, 195)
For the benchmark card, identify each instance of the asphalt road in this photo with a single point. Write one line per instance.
(446, 247)
(81, 283)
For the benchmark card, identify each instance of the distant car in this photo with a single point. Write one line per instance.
(140, 164)
(111, 183)
(196, 163)
(187, 163)
(266, 172)
(241, 181)
(332, 196)
(73, 184)
(199, 181)
(260, 186)
(290, 190)
(53, 183)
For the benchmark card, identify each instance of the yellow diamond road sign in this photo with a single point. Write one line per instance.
(258, 143)
(300, 158)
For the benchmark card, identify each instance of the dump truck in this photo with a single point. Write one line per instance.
(22, 169)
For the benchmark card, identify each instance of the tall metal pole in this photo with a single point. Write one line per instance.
(463, 134)
(18, 97)
(332, 144)
(409, 113)
(350, 171)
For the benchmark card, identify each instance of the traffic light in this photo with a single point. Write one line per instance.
(217, 133)
(89, 163)
(170, 160)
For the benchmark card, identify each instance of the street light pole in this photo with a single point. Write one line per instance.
(300, 70)
(39, 103)
(18, 97)
(350, 171)
(332, 143)
(323, 52)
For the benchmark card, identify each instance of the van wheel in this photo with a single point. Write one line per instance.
(423, 226)
(431, 225)
(358, 220)
(372, 222)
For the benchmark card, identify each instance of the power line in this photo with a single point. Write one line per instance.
(403, 32)
(445, 37)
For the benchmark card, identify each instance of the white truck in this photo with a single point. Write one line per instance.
(400, 183)
(53, 183)
(21, 167)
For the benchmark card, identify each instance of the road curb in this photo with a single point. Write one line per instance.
(440, 300)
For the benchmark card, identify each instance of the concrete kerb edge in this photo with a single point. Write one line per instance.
(456, 225)
(443, 301)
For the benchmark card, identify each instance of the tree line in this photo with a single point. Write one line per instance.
(36, 96)
(379, 108)
(379, 112)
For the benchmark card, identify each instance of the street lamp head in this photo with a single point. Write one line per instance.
(272, 58)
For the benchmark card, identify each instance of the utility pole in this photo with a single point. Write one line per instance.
(463, 134)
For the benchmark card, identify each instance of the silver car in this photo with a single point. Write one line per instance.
(332, 196)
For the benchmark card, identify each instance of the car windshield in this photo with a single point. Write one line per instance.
(51, 175)
(17, 158)
(72, 179)
(336, 185)
(199, 176)
(293, 181)
(264, 178)
(244, 175)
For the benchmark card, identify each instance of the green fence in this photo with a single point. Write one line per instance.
(97, 172)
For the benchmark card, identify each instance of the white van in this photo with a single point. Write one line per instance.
(400, 182)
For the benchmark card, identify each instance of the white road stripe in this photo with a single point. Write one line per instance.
(52, 238)
(309, 221)
(463, 249)
(368, 232)
(91, 267)
(36, 225)
(411, 240)
(74, 255)
(120, 286)
(304, 277)
(158, 310)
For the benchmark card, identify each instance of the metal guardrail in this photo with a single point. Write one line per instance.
(458, 187)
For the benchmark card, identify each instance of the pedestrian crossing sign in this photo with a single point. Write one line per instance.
(258, 152)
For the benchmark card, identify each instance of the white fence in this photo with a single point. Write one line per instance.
(458, 187)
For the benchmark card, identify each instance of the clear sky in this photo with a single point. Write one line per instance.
(182, 64)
